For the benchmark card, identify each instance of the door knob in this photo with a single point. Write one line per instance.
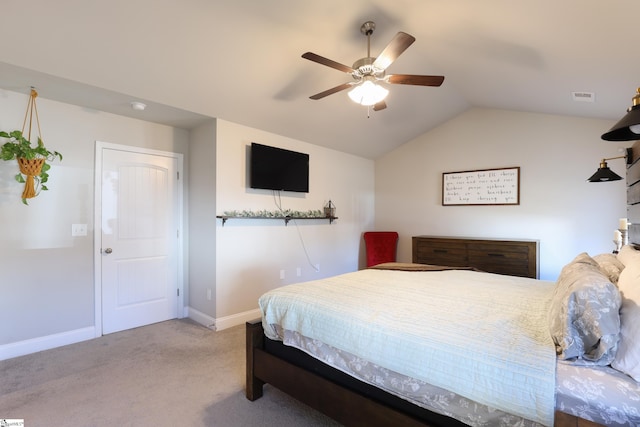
(108, 251)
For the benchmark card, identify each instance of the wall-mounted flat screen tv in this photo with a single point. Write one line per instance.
(273, 168)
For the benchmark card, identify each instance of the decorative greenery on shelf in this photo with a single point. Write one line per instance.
(274, 214)
(20, 148)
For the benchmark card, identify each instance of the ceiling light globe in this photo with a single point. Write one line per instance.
(368, 93)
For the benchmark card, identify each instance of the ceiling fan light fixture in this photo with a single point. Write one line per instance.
(368, 93)
(370, 70)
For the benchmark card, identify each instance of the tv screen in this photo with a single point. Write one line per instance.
(275, 168)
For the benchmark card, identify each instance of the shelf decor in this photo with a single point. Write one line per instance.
(481, 187)
(32, 159)
(286, 215)
(330, 209)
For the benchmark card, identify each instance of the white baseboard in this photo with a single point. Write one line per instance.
(223, 322)
(34, 345)
(200, 317)
(237, 319)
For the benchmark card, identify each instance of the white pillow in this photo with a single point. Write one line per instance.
(627, 357)
(629, 255)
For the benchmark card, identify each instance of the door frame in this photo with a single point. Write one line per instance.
(97, 223)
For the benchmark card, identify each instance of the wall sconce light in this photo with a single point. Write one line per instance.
(628, 128)
(604, 174)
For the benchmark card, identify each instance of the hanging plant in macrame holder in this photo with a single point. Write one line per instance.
(30, 168)
(32, 160)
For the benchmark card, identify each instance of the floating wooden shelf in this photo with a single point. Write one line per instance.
(286, 219)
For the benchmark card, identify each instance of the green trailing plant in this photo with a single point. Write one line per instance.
(18, 147)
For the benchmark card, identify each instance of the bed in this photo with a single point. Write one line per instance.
(302, 366)
(567, 352)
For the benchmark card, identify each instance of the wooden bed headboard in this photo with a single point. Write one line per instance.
(633, 194)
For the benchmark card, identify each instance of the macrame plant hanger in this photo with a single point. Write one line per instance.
(31, 167)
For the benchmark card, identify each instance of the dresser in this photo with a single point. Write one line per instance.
(502, 256)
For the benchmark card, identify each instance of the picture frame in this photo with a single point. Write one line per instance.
(500, 186)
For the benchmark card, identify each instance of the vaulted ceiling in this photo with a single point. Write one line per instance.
(240, 60)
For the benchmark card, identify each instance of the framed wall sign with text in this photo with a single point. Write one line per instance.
(481, 187)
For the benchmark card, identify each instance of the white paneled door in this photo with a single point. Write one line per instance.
(139, 239)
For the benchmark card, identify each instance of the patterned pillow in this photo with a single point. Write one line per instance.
(610, 266)
(628, 355)
(583, 318)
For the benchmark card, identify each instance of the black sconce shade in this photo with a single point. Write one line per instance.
(627, 128)
(604, 174)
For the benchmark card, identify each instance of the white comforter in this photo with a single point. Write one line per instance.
(483, 336)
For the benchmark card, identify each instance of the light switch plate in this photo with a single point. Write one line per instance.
(78, 230)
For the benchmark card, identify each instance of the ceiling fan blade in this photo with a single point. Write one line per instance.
(396, 46)
(410, 79)
(380, 106)
(328, 62)
(331, 91)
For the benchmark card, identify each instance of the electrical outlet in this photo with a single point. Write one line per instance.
(282, 274)
(298, 272)
(78, 230)
(209, 294)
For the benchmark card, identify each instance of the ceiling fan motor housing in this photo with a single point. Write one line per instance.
(364, 67)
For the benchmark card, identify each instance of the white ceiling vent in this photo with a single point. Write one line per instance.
(583, 96)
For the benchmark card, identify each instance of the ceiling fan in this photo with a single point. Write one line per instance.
(368, 71)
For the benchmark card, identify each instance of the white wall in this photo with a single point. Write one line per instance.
(46, 276)
(202, 208)
(251, 253)
(556, 155)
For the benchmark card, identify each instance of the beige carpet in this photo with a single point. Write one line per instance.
(174, 373)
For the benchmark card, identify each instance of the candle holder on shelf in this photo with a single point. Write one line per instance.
(621, 238)
(618, 244)
(330, 209)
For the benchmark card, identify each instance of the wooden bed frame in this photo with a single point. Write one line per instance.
(313, 386)
(316, 385)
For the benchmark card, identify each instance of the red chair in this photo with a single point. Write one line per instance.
(381, 246)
